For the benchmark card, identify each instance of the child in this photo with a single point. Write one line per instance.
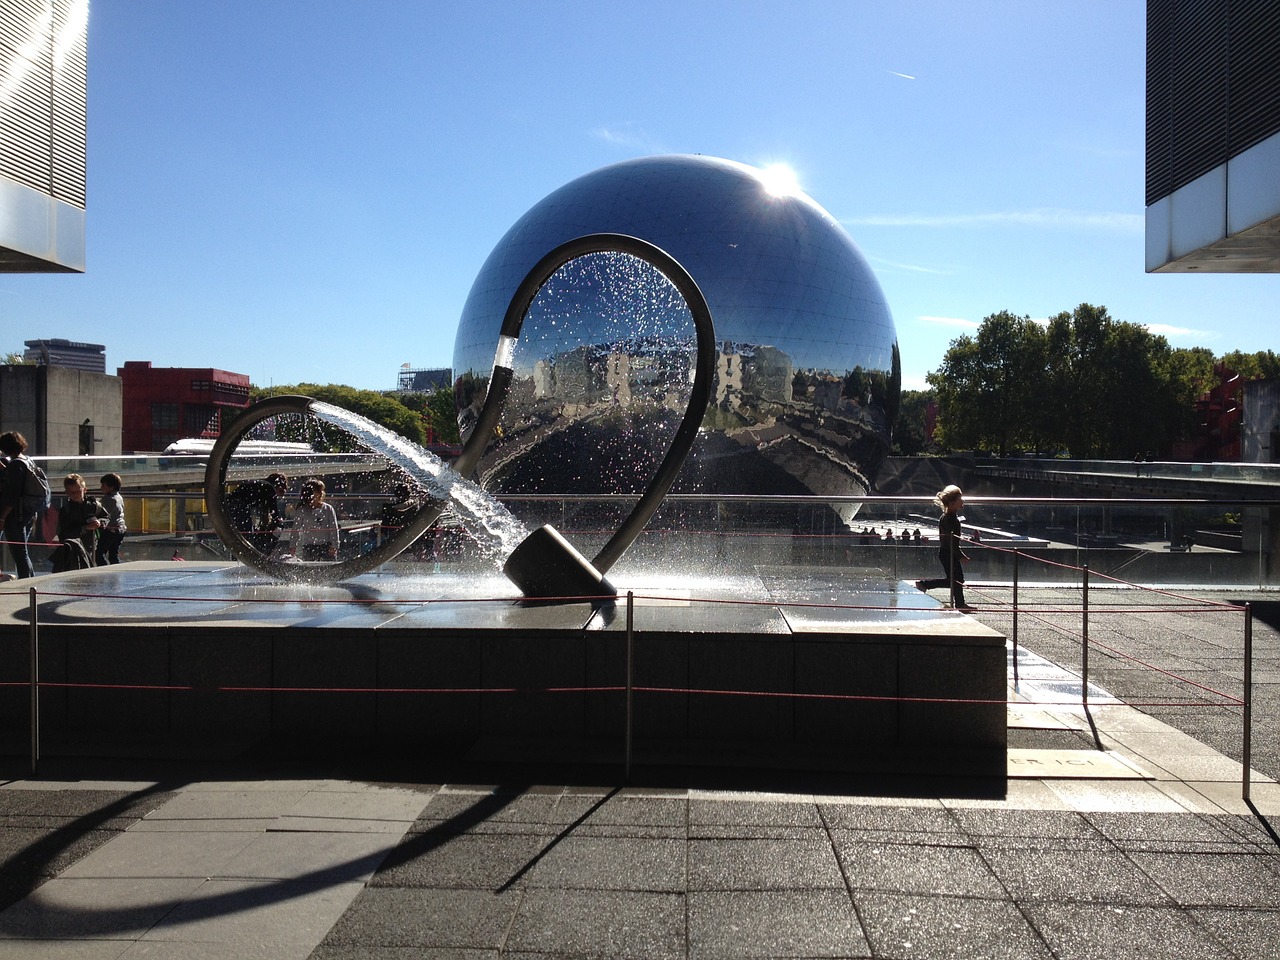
(79, 520)
(113, 532)
(950, 499)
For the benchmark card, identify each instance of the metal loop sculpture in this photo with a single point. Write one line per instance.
(544, 565)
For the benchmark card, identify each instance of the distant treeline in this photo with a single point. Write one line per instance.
(421, 417)
(1084, 384)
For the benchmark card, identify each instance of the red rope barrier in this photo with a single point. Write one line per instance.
(1038, 613)
(696, 691)
(1105, 576)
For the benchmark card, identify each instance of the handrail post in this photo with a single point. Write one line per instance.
(1247, 744)
(1016, 554)
(951, 573)
(630, 670)
(35, 681)
(1084, 641)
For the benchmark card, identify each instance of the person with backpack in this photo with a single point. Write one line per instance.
(24, 496)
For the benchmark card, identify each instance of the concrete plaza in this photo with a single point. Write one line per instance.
(1118, 833)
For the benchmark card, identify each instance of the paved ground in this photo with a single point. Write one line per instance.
(1120, 834)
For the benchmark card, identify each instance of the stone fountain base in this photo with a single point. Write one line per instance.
(212, 659)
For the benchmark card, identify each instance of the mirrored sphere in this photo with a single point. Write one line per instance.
(807, 378)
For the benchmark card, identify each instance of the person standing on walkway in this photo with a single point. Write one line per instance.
(112, 534)
(17, 518)
(950, 499)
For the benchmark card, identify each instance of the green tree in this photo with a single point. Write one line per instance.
(1085, 383)
(1186, 375)
(379, 407)
(437, 411)
(990, 386)
(958, 385)
(1253, 366)
(910, 431)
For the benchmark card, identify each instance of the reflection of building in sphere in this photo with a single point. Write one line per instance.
(807, 375)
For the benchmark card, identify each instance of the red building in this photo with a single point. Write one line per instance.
(164, 404)
(1219, 413)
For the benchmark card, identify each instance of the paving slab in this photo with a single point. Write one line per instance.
(774, 923)
(927, 927)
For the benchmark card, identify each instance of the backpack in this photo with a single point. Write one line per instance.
(70, 555)
(36, 495)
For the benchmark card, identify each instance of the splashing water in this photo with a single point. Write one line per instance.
(494, 528)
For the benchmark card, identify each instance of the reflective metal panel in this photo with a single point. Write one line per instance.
(808, 377)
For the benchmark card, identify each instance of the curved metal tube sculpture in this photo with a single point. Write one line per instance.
(544, 565)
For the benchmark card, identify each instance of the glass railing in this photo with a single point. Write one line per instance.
(1247, 473)
(1212, 543)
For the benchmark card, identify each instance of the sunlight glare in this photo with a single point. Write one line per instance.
(780, 180)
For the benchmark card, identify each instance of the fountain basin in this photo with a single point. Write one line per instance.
(743, 670)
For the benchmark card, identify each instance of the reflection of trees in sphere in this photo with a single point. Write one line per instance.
(807, 376)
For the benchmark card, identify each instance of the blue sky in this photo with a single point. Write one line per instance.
(304, 190)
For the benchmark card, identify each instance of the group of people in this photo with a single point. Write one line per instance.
(254, 510)
(89, 529)
(868, 535)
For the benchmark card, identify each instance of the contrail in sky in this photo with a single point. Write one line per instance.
(904, 76)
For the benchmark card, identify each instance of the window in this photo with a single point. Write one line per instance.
(201, 420)
(164, 416)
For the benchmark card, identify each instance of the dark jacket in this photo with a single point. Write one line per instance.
(73, 516)
(949, 538)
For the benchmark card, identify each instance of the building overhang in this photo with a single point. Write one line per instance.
(1225, 221)
(39, 233)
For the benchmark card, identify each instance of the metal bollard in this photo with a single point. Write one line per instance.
(35, 682)
(1084, 642)
(1247, 744)
(1015, 618)
(630, 669)
(951, 573)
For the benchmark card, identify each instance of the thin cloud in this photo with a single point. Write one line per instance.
(1044, 217)
(908, 267)
(951, 322)
(629, 135)
(1168, 330)
(904, 76)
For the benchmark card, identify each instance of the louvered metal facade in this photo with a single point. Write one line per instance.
(1213, 85)
(1213, 135)
(42, 134)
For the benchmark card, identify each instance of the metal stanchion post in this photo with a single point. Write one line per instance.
(951, 574)
(1015, 619)
(35, 683)
(630, 668)
(1084, 642)
(1247, 745)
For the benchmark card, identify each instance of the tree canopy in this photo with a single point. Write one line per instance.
(1083, 383)
(421, 418)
